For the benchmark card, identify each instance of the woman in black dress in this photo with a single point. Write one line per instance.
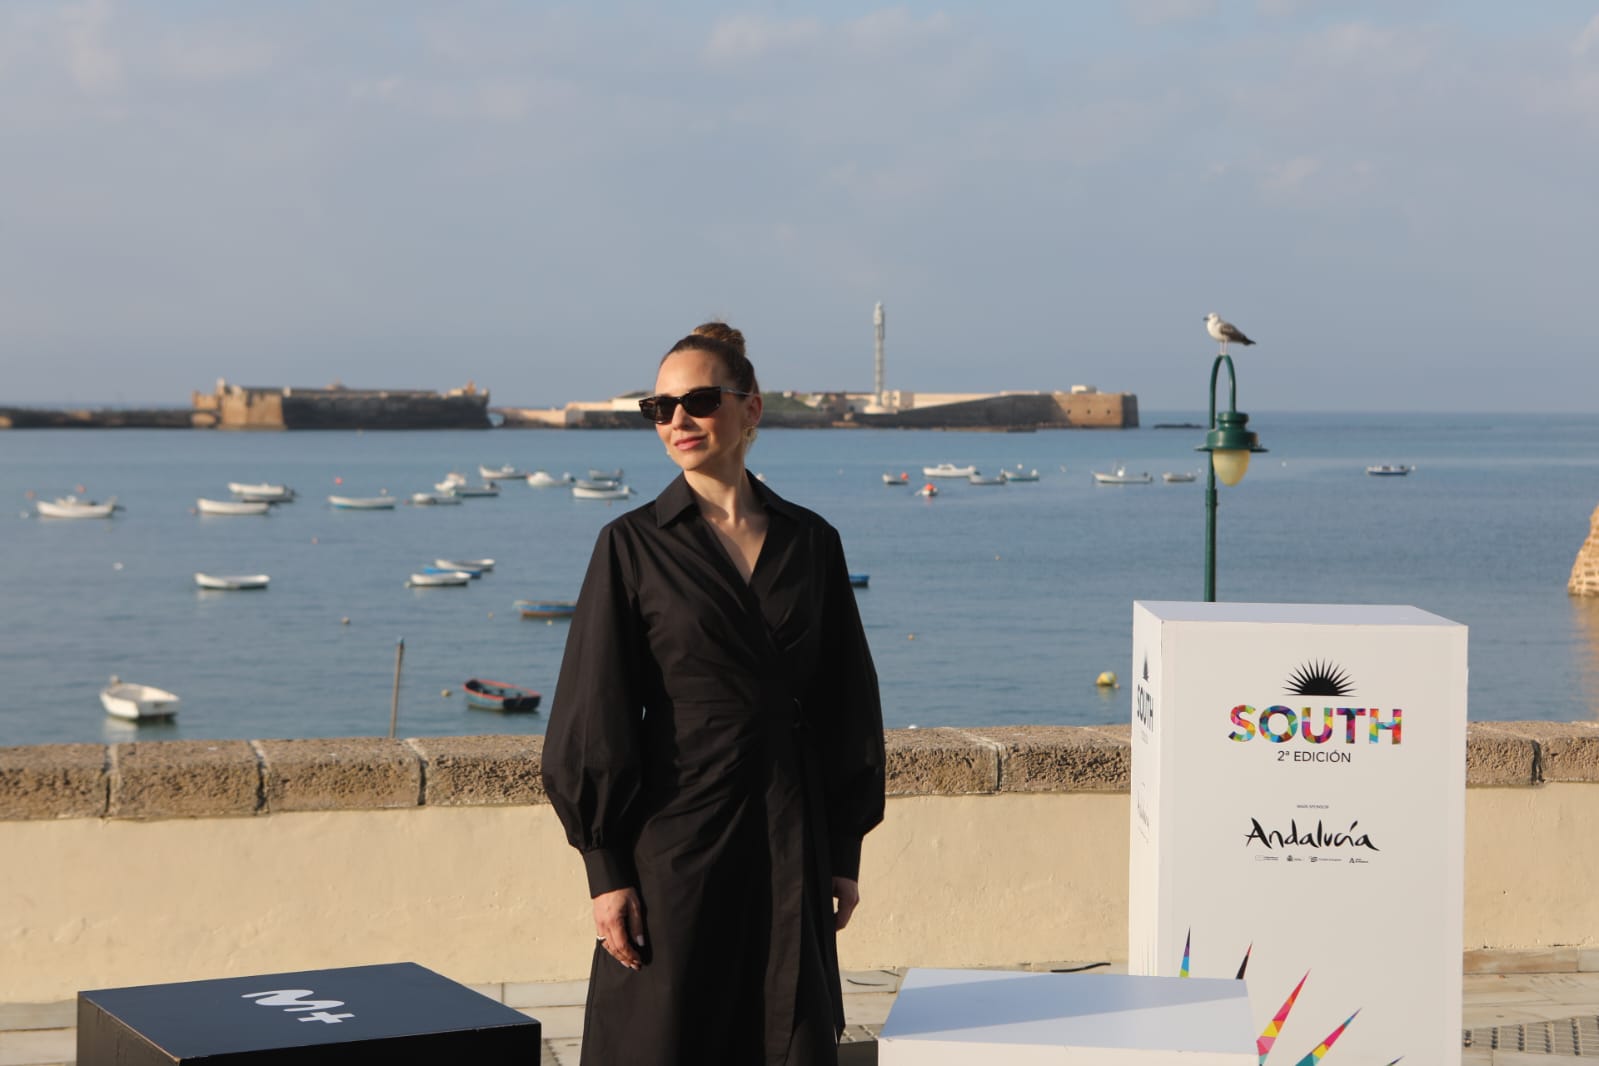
(715, 748)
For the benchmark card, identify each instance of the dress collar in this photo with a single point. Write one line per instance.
(677, 499)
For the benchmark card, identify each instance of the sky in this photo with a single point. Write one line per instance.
(1395, 199)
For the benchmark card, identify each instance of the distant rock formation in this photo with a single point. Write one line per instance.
(1585, 571)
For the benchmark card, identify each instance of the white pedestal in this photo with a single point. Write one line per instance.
(1298, 796)
(1006, 1018)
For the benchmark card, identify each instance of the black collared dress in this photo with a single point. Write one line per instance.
(719, 746)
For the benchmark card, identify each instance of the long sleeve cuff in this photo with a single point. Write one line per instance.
(608, 871)
(847, 857)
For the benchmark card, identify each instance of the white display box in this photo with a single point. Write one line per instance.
(1298, 799)
(1008, 1018)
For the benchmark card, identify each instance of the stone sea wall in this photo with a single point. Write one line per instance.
(159, 861)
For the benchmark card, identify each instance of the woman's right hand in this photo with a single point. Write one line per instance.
(619, 925)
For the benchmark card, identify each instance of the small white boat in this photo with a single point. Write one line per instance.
(1178, 478)
(447, 579)
(232, 507)
(1120, 476)
(479, 565)
(463, 491)
(928, 490)
(596, 483)
(902, 479)
(605, 475)
(72, 507)
(232, 582)
(1386, 470)
(451, 479)
(948, 470)
(543, 479)
(580, 491)
(1021, 475)
(435, 499)
(979, 479)
(137, 702)
(500, 473)
(261, 491)
(363, 503)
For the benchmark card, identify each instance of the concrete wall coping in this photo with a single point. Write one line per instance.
(246, 778)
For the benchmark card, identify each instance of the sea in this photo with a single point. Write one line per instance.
(986, 606)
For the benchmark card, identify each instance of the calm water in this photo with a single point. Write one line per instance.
(987, 606)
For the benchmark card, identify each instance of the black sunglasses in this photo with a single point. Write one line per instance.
(699, 403)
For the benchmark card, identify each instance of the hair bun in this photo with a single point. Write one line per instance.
(721, 331)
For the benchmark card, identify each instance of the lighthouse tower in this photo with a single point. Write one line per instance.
(877, 381)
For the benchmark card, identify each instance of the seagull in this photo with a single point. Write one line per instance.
(1224, 331)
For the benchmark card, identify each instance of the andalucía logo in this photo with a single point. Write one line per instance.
(1319, 837)
(1279, 723)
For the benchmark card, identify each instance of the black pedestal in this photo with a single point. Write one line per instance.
(397, 1013)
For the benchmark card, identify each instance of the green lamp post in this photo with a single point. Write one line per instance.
(1230, 444)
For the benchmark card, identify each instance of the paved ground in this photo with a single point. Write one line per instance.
(1539, 1019)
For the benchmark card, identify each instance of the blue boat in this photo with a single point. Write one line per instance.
(545, 608)
(470, 571)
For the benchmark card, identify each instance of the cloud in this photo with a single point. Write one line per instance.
(1166, 12)
(743, 38)
(877, 34)
(1588, 40)
(214, 57)
(95, 68)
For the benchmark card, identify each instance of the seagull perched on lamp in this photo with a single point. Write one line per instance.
(1224, 331)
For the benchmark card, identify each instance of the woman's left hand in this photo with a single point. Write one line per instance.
(847, 891)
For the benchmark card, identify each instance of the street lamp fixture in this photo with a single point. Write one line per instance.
(1230, 444)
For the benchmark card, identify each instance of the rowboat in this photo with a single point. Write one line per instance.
(463, 490)
(435, 499)
(600, 492)
(1385, 470)
(859, 581)
(137, 702)
(1178, 478)
(605, 475)
(231, 582)
(232, 507)
(499, 696)
(546, 608)
(543, 479)
(72, 507)
(261, 491)
(467, 570)
(597, 482)
(500, 473)
(1120, 476)
(948, 470)
(1021, 475)
(363, 503)
(928, 490)
(891, 480)
(979, 479)
(439, 579)
(479, 565)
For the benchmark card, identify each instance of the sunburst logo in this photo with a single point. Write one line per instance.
(1319, 678)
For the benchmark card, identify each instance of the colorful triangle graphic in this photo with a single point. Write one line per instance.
(1322, 1048)
(1187, 942)
(1274, 1028)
